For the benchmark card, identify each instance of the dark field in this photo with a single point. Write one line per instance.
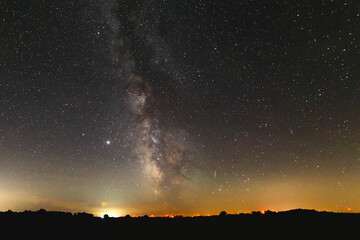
(295, 224)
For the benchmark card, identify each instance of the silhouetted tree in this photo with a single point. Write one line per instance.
(223, 214)
(268, 212)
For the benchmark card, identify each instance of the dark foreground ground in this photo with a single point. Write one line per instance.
(295, 224)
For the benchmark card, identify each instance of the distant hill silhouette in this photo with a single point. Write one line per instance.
(293, 224)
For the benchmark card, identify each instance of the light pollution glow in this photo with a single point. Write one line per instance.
(318, 193)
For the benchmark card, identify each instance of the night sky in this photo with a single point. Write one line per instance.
(179, 107)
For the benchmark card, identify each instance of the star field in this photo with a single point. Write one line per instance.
(181, 107)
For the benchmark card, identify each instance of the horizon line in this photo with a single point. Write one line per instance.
(171, 215)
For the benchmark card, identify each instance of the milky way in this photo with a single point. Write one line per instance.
(159, 150)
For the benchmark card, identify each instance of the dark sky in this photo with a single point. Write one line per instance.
(179, 107)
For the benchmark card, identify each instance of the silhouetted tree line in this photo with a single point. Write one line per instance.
(294, 224)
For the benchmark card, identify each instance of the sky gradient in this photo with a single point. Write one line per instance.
(179, 107)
